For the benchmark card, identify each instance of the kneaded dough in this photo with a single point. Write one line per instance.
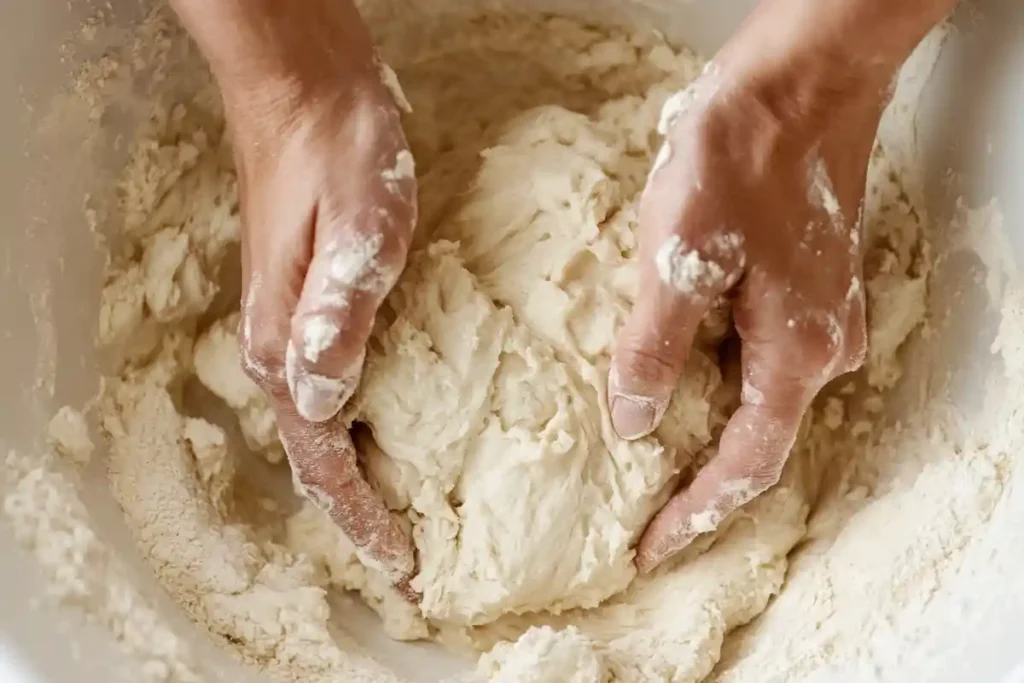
(485, 384)
(484, 389)
(481, 414)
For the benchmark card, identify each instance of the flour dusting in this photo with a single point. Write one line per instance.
(481, 411)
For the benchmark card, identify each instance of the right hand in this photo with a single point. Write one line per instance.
(749, 205)
(757, 194)
(328, 205)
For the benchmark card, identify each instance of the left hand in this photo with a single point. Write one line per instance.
(328, 206)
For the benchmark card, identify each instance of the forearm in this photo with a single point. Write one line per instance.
(812, 56)
(255, 39)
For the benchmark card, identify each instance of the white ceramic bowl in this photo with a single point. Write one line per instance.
(970, 144)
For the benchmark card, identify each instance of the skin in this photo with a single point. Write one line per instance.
(314, 130)
(797, 93)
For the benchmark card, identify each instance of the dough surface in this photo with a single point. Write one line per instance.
(486, 393)
(481, 413)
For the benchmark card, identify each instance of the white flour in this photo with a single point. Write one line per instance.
(685, 270)
(883, 514)
(82, 571)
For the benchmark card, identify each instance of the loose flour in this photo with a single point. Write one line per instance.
(484, 401)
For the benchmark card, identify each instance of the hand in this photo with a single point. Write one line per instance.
(757, 193)
(328, 209)
(756, 196)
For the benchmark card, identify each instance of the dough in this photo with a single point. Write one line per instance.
(486, 394)
(481, 414)
(217, 367)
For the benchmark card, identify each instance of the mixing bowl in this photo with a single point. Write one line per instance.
(965, 148)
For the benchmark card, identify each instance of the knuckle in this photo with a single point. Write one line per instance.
(766, 473)
(765, 468)
(332, 486)
(373, 131)
(641, 368)
(394, 249)
(319, 453)
(261, 354)
(819, 346)
(702, 266)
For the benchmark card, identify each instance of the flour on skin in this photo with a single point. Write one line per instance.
(483, 395)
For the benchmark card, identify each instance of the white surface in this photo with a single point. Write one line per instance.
(975, 130)
(12, 667)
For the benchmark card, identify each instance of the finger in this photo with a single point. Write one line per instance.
(650, 354)
(687, 260)
(786, 358)
(323, 460)
(277, 246)
(752, 452)
(856, 350)
(274, 269)
(359, 256)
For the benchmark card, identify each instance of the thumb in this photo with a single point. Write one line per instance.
(687, 260)
(650, 354)
(679, 279)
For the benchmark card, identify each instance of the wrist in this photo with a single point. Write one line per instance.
(807, 60)
(279, 47)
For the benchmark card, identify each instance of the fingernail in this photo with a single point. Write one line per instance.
(648, 562)
(408, 592)
(651, 556)
(397, 569)
(317, 398)
(632, 418)
(645, 563)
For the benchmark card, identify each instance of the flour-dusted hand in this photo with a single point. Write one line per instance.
(328, 201)
(756, 194)
(738, 208)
